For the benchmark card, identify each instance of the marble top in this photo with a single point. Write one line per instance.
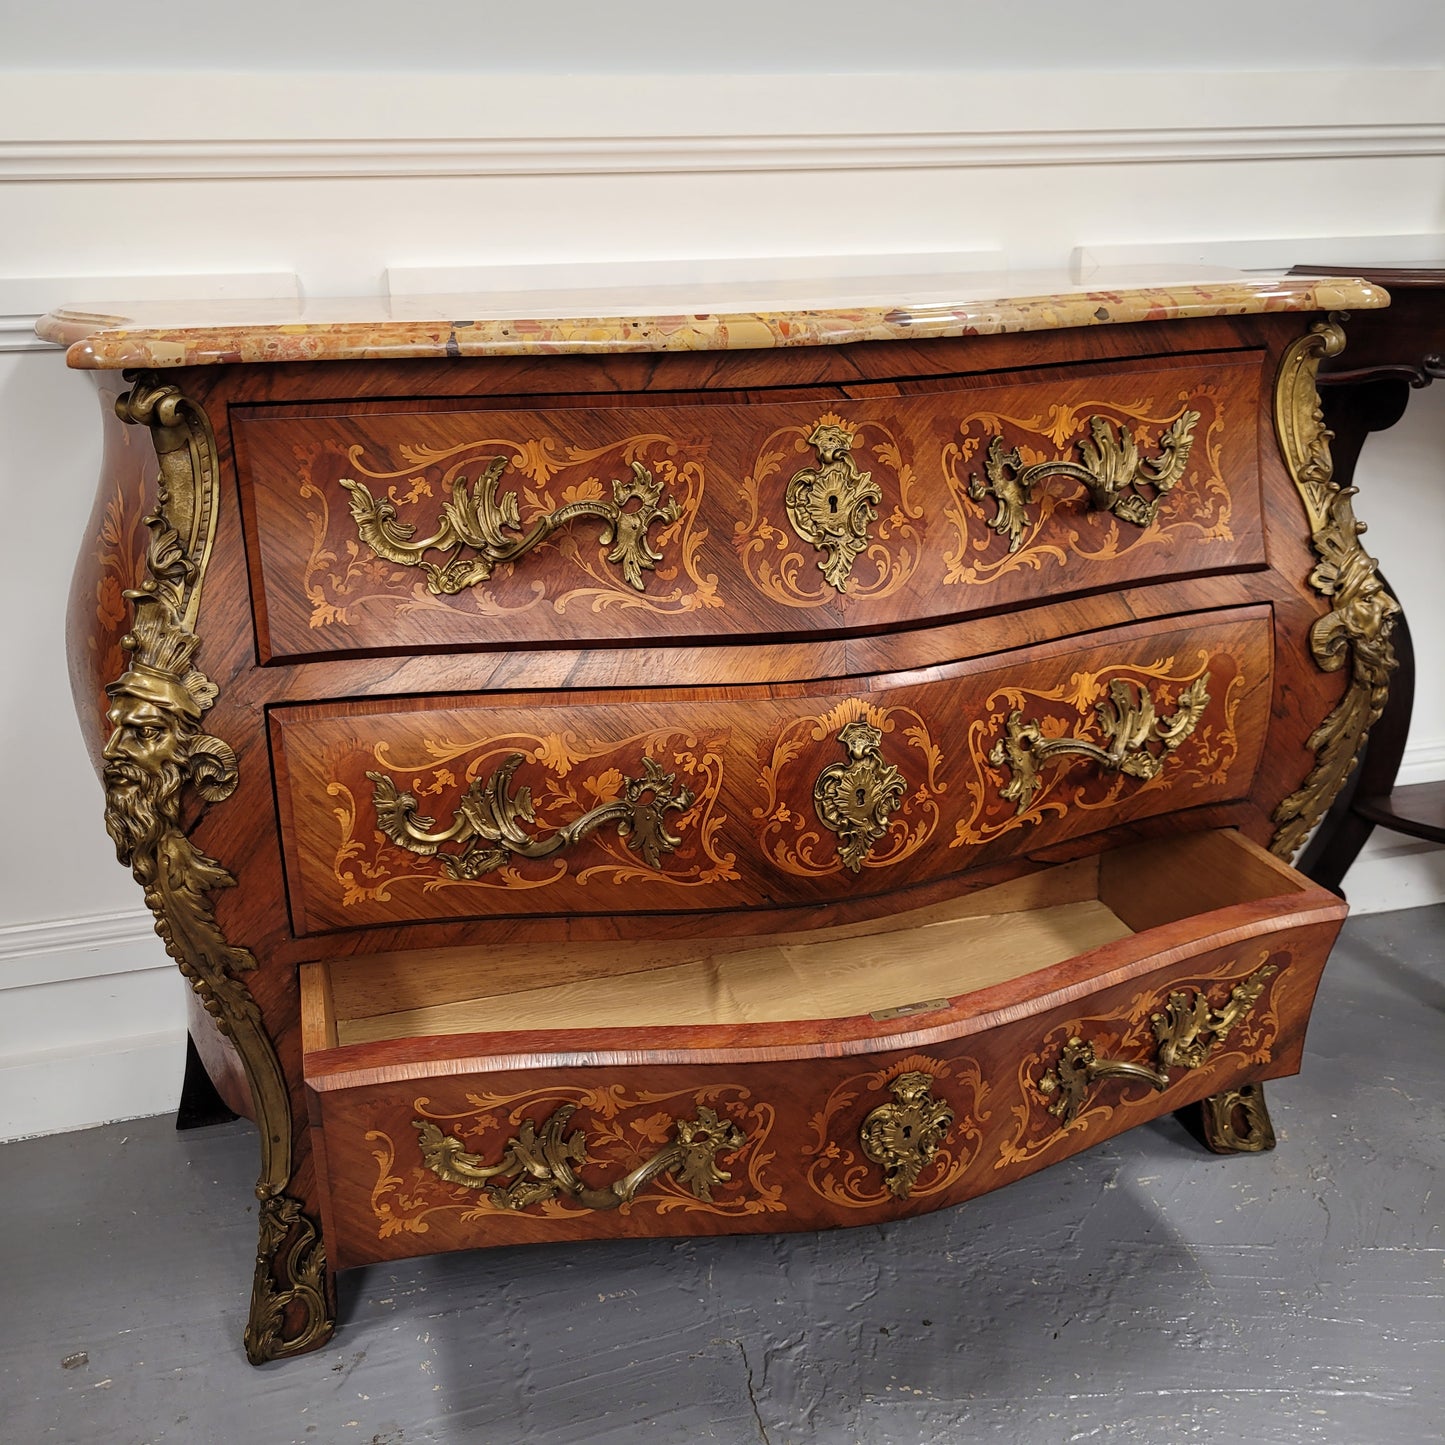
(711, 317)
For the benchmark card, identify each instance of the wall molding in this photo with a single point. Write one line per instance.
(219, 159)
(328, 124)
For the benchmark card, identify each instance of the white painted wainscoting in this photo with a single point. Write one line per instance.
(330, 173)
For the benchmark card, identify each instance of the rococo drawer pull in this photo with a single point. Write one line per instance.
(1185, 1032)
(1127, 718)
(831, 505)
(905, 1135)
(1112, 471)
(479, 522)
(537, 1163)
(855, 798)
(487, 820)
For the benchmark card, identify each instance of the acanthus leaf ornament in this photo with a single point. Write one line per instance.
(1357, 629)
(156, 750)
(482, 528)
(487, 822)
(903, 1136)
(855, 798)
(1139, 740)
(833, 504)
(1112, 471)
(537, 1164)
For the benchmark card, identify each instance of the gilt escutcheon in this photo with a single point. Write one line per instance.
(855, 798)
(904, 1135)
(832, 505)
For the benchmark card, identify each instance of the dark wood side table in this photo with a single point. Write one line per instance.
(1365, 390)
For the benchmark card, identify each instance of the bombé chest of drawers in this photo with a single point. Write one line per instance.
(645, 775)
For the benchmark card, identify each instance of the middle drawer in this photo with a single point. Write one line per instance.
(697, 800)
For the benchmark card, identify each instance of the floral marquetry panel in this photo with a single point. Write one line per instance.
(388, 529)
(671, 801)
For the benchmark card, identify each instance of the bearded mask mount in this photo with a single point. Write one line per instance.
(156, 745)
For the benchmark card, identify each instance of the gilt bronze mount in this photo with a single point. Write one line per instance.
(833, 504)
(482, 528)
(854, 799)
(1186, 1032)
(487, 822)
(538, 1162)
(1138, 739)
(904, 1135)
(1111, 469)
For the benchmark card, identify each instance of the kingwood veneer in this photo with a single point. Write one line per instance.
(720, 773)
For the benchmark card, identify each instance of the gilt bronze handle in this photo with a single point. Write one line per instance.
(487, 820)
(1079, 1065)
(537, 1164)
(1111, 469)
(1186, 1031)
(477, 527)
(1138, 739)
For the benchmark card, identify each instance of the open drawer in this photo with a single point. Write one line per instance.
(851, 1074)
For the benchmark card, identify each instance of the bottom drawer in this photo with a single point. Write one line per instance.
(844, 1076)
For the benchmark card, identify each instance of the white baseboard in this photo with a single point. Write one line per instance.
(1394, 871)
(57, 1090)
(1274, 253)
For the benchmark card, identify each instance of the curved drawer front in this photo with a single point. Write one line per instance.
(452, 1158)
(415, 529)
(674, 800)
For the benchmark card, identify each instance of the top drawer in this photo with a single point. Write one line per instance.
(378, 529)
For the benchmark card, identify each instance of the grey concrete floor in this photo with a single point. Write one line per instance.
(1145, 1292)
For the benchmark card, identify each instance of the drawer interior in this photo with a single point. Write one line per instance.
(908, 963)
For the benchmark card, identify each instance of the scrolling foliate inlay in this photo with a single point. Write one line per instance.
(1356, 631)
(563, 795)
(1051, 527)
(156, 751)
(656, 545)
(640, 1135)
(871, 545)
(876, 812)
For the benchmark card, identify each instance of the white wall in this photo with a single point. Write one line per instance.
(140, 152)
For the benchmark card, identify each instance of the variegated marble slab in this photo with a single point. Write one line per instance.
(746, 316)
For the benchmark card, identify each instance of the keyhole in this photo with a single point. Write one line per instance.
(908, 1131)
(833, 504)
(861, 797)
